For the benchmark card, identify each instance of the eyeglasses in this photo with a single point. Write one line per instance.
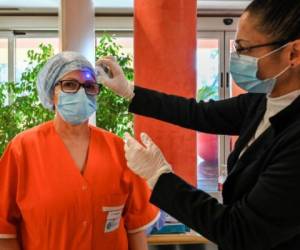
(72, 86)
(239, 49)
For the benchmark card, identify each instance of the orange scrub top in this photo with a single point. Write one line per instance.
(49, 204)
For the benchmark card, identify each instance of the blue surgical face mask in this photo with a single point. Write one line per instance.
(244, 71)
(76, 108)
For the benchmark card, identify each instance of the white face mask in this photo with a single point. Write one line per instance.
(76, 108)
(244, 70)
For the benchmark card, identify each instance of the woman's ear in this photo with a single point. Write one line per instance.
(295, 54)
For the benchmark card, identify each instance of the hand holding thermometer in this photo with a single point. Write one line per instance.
(111, 75)
(103, 68)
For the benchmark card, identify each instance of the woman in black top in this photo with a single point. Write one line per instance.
(261, 201)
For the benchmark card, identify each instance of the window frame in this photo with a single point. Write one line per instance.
(29, 34)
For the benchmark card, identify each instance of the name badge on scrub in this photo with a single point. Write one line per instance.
(114, 215)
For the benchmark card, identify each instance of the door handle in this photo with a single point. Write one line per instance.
(227, 80)
(221, 79)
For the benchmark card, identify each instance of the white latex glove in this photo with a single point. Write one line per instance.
(117, 82)
(145, 160)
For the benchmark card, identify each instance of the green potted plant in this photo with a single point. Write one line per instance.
(20, 108)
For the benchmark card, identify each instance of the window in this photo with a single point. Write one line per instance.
(127, 43)
(208, 71)
(3, 59)
(26, 43)
(214, 82)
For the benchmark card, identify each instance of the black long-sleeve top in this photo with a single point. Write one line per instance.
(261, 199)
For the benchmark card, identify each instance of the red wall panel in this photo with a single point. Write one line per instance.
(165, 60)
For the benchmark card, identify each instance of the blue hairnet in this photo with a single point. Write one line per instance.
(58, 66)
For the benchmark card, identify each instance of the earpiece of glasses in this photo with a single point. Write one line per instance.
(240, 50)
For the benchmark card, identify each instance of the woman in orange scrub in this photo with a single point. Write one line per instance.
(65, 184)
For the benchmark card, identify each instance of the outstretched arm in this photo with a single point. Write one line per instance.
(224, 117)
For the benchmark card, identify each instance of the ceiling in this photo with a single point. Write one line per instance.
(109, 5)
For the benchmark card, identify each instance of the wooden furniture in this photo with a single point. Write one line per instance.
(177, 239)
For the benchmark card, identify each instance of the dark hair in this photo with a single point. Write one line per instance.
(279, 19)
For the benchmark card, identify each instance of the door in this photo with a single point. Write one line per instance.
(214, 82)
(210, 85)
